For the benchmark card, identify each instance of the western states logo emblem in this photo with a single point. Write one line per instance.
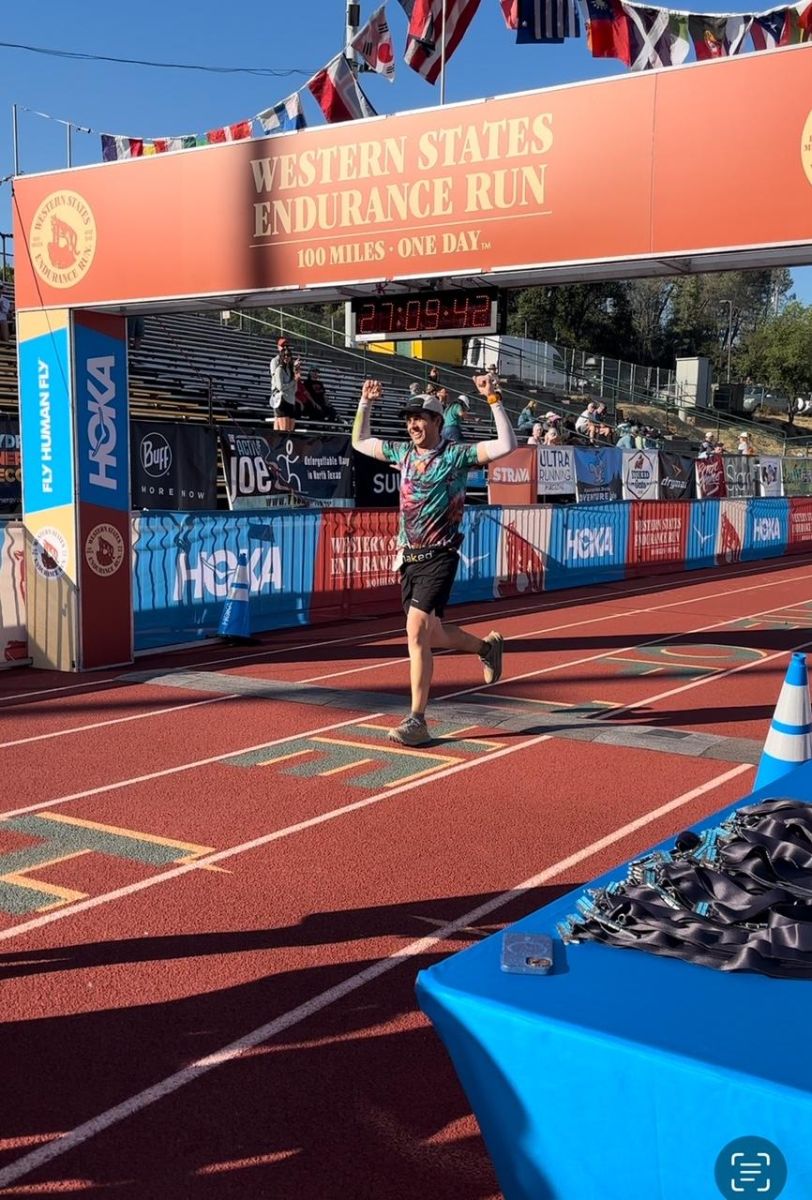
(156, 455)
(63, 239)
(806, 148)
(104, 549)
(50, 553)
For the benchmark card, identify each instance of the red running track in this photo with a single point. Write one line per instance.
(216, 887)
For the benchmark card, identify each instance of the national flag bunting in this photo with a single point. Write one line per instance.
(165, 145)
(659, 38)
(607, 34)
(767, 28)
(287, 114)
(374, 44)
(115, 148)
(423, 49)
(231, 133)
(718, 37)
(547, 21)
(510, 11)
(798, 24)
(338, 94)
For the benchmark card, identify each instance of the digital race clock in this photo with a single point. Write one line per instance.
(392, 318)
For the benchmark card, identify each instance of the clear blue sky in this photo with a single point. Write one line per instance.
(151, 103)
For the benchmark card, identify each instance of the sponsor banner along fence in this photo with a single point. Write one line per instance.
(11, 476)
(173, 466)
(310, 567)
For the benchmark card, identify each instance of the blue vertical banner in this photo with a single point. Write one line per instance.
(703, 530)
(766, 531)
(45, 416)
(481, 531)
(588, 544)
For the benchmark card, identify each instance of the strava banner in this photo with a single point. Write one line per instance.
(11, 488)
(740, 476)
(710, 478)
(770, 476)
(377, 484)
(598, 474)
(676, 476)
(512, 479)
(798, 476)
(556, 471)
(174, 467)
(267, 470)
(641, 473)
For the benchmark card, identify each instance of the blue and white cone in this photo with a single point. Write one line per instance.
(236, 619)
(789, 741)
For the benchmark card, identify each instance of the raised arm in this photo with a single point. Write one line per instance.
(361, 439)
(505, 439)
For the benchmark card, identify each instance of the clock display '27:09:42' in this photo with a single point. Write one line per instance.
(426, 314)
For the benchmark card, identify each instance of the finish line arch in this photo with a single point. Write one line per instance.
(698, 168)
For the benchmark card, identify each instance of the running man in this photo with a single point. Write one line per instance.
(432, 496)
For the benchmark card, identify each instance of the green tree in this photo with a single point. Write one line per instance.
(778, 353)
(591, 316)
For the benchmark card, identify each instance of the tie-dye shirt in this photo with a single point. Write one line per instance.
(432, 491)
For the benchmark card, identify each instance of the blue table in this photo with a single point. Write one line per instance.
(622, 1075)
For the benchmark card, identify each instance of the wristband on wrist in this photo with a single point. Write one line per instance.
(495, 398)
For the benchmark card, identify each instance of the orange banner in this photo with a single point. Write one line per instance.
(712, 157)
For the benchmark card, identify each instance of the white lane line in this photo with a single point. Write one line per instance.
(707, 577)
(157, 712)
(226, 1054)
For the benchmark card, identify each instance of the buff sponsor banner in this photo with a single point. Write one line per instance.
(730, 534)
(740, 476)
(173, 466)
(640, 474)
(103, 460)
(766, 531)
(556, 468)
(523, 549)
(13, 636)
(658, 537)
(770, 475)
(703, 529)
(11, 476)
(587, 544)
(800, 525)
(711, 483)
(184, 563)
(473, 188)
(513, 479)
(273, 469)
(598, 474)
(676, 476)
(797, 476)
(355, 564)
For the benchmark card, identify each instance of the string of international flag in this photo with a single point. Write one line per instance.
(641, 36)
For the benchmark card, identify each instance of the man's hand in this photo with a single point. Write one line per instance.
(485, 386)
(371, 390)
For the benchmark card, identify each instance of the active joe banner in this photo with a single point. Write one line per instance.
(598, 474)
(173, 466)
(11, 494)
(276, 469)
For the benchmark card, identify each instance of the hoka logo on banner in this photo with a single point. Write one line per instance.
(101, 425)
(766, 529)
(590, 543)
(208, 577)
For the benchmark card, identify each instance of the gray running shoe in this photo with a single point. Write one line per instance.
(492, 659)
(412, 731)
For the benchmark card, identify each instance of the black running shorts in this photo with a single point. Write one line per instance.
(427, 585)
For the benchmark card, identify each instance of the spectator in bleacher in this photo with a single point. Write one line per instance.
(415, 389)
(456, 411)
(285, 375)
(5, 315)
(552, 436)
(744, 446)
(708, 442)
(527, 417)
(628, 435)
(135, 332)
(317, 405)
(536, 435)
(433, 377)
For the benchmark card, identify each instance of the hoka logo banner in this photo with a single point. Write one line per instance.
(766, 529)
(584, 544)
(207, 577)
